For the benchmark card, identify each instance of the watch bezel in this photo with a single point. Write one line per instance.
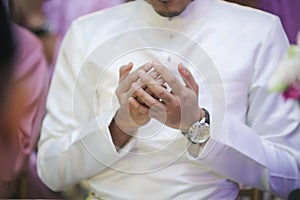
(199, 131)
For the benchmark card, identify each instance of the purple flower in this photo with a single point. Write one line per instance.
(292, 91)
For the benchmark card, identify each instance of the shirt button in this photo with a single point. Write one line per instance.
(171, 36)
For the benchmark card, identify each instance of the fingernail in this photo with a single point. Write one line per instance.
(130, 64)
(183, 69)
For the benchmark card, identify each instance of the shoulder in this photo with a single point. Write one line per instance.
(243, 17)
(25, 40)
(112, 14)
(97, 27)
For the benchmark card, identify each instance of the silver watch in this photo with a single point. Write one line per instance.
(199, 131)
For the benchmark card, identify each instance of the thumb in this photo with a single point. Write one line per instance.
(188, 78)
(124, 71)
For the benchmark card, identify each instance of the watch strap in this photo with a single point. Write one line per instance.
(206, 115)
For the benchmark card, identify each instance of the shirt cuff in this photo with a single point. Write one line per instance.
(194, 150)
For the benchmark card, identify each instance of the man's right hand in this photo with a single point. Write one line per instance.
(132, 114)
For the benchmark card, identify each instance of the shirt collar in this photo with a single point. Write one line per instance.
(194, 11)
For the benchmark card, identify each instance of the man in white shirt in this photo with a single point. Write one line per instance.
(124, 141)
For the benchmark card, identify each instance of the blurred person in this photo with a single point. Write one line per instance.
(61, 14)
(124, 136)
(30, 15)
(50, 19)
(7, 52)
(25, 85)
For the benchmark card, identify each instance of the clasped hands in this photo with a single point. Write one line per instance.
(142, 95)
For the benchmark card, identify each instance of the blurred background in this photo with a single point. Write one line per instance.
(31, 34)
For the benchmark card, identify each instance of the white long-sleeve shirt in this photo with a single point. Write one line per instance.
(230, 50)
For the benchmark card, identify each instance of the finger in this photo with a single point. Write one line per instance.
(161, 81)
(158, 90)
(139, 100)
(124, 71)
(169, 78)
(158, 112)
(138, 106)
(152, 94)
(188, 78)
(145, 97)
(155, 76)
(133, 77)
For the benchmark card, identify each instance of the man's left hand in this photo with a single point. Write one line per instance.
(178, 108)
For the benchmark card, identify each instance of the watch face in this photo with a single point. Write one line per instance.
(199, 132)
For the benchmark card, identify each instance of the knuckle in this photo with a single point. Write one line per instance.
(161, 94)
(141, 95)
(153, 103)
(135, 87)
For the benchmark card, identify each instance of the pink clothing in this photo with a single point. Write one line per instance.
(33, 80)
(62, 13)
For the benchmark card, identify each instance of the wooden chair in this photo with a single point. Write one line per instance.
(252, 193)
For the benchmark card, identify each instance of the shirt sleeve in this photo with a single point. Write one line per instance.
(263, 151)
(75, 143)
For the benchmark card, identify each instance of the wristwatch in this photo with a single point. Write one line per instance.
(199, 131)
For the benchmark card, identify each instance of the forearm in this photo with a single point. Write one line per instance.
(123, 126)
(119, 137)
(240, 154)
(72, 157)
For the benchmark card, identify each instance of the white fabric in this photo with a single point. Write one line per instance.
(258, 144)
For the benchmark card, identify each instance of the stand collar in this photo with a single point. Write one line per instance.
(194, 11)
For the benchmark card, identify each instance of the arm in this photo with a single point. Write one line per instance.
(264, 151)
(25, 107)
(75, 142)
(81, 138)
(131, 114)
(31, 81)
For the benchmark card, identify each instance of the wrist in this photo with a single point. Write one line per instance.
(199, 114)
(199, 131)
(125, 124)
(119, 137)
